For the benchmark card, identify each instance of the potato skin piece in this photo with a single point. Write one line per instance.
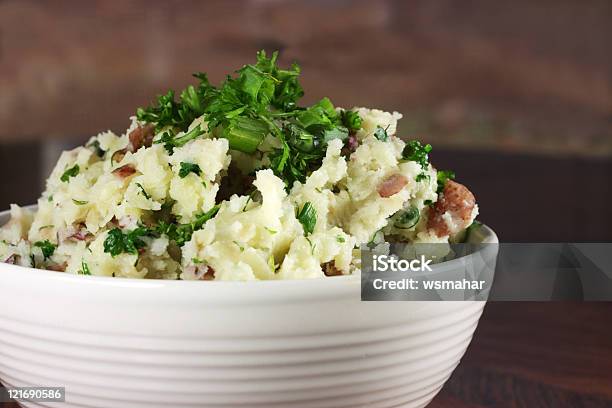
(141, 136)
(455, 199)
(392, 185)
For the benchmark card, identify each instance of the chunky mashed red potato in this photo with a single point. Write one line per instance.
(159, 202)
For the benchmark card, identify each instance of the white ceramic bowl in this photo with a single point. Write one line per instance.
(126, 343)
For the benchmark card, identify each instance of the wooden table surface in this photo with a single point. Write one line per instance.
(533, 355)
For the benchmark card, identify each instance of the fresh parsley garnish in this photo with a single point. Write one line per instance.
(79, 202)
(443, 176)
(239, 246)
(84, 269)
(259, 100)
(71, 172)
(178, 114)
(172, 140)
(421, 177)
(340, 239)
(312, 246)
(181, 233)
(46, 247)
(118, 242)
(381, 134)
(351, 120)
(187, 168)
(308, 218)
(407, 219)
(416, 152)
(95, 145)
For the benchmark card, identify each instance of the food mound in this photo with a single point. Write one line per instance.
(237, 182)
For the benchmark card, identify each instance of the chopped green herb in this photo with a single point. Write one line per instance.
(259, 100)
(171, 140)
(416, 152)
(407, 219)
(312, 246)
(239, 246)
(84, 269)
(351, 120)
(117, 242)
(181, 233)
(372, 242)
(143, 191)
(381, 134)
(95, 145)
(272, 263)
(443, 176)
(178, 114)
(428, 202)
(71, 172)
(187, 168)
(249, 199)
(46, 247)
(197, 261)
(340, 239)
(308, 218)
(50, 199)
(421, 177)
(78, 202)
(245, 134)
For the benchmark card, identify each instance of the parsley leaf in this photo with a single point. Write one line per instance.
(46, 247)
(421, 177)
(415, 151)
(443, 176)
(407, 219)
(308, 217)
(71, 172)
(178, 114)
(258, 100)
(95, 146)
(84, 269)
(170, 139)
(244, 133)
(187, 168)
(181, 233)
(351, 120)
(381, 134)
(117, 242)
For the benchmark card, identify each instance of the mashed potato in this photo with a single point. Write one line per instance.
(156, 202)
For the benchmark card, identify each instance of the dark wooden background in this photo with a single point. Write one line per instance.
(520, 75)
(514, 96)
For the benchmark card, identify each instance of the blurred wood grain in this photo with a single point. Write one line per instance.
(516, 76)
(536, 355)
